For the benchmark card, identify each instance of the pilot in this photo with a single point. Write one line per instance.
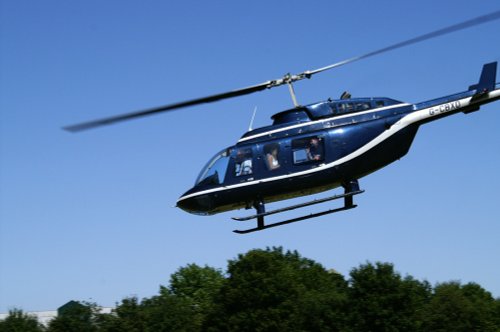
(243, 164)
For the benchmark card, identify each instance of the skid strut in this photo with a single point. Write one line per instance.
(351, 188)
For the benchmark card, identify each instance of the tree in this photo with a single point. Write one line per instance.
(128, 316)
(454, 307)
(166, 312)
(184, 304)
(75, 317)
(273, 290)
(496, 313)
(277, 290)
(196, 287)
(18, 321)
(380, 300)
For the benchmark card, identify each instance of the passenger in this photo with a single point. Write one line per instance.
(272, 158)
(315, 149)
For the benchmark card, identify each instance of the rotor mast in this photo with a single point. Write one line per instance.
(288, 80)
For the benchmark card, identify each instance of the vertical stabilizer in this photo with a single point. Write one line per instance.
(487, 79)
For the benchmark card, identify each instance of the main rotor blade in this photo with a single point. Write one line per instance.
(149, 111)
(287, 79)
(452, 28)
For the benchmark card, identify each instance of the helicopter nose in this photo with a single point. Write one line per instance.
(200, 205)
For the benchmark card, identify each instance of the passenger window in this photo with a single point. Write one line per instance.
(362, 106)
(345, 107)
(271, 152)
(379, 103)
(243, 162)
(308, 149)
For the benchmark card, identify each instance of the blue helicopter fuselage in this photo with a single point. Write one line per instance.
(318, 147)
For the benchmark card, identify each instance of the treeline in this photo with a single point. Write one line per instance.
(277, 290)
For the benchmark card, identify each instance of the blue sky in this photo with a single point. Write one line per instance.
(89, 216)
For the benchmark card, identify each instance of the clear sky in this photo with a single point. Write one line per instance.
(89, 216)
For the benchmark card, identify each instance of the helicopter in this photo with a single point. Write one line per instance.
(317, 147)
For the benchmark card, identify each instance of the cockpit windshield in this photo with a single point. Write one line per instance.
(215, 170)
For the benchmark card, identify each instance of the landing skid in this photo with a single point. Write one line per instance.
(351, 189)
(289, 221)
(293, 207)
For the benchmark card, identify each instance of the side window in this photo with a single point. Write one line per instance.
(362, 106)
(243, 162)
(271, 153)
(308, 149)
(345, 107)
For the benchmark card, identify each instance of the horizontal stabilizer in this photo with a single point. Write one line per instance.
(487, 80)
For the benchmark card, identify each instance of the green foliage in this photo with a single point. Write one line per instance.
(381, 300)
(17, 321)
(196, 287)
(169, 313)
(79, 317)
(277, 290)
(182, 306)
(272, 290)
(454, 307)
(128, 316)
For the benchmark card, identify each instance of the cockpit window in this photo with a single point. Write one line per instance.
(215, 170)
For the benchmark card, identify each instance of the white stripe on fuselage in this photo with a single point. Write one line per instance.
(304, 124)
(414, 117)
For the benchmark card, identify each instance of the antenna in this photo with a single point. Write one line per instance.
(253, 117)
